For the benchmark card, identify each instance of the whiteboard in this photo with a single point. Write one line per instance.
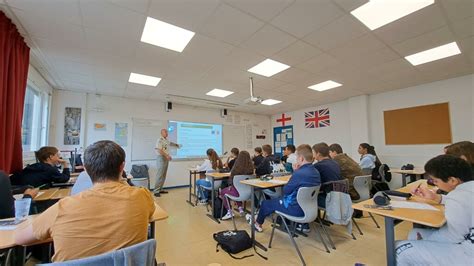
(145, 132)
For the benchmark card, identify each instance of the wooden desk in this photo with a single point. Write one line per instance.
(46, 194)
(193, 172)
(424, 217)
(62, 193)
(418, 172)
(256, 183)
(215, 176)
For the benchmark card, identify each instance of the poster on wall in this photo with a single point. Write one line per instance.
(100, 126)
(317, 119)
(121, 134)
(282, 137)
(72, 126)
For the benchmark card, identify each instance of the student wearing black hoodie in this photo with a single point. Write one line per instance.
(265, 167)
(7, 208)
(45, 171)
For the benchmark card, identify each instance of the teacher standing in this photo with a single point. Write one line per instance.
(162, 161)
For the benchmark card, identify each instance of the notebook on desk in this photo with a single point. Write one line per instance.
(9, 224)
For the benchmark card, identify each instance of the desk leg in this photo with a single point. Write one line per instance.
(212, 202)
(152, 230)
(190, 180)
(404, 180)
(390, 241)
(20, 255)
(252, 224)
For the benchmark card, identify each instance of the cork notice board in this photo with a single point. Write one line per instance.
(427, 124)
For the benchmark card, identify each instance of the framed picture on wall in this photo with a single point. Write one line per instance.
(72, 126)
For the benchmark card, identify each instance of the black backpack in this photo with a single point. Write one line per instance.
(140, 171)
(234, 242)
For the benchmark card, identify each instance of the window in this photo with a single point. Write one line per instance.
(35, 119)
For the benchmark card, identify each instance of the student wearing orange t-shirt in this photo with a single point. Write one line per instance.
(109, 216)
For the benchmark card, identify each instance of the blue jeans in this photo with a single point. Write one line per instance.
(270, 206)
(202, 193)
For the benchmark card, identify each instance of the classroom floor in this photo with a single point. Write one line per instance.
(185, 238)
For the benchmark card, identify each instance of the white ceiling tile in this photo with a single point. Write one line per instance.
(391, 70)
(365, 44)
(85, 86)
(52, 10)
(187, 14)
(293, 75)
(422, 21)
(303, 17)
(453, 64)
(268, 40)
(267, 83)
(59, 51)
(262, 9)
(151, 58)
(467, 47)
(111, 92)
(230, 25)
(319, 63)
(140, 6)
(337, 33)
(113, 43)
(457, 9)
(73, 67)
(423, 42)
(229, 74)
(463, 28)
(109, 17)
(349, 5)
(296, 53)
(50, 29)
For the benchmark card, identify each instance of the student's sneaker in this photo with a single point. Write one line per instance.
(202, 202)
(227, 216)
(303, 228)
(258, 228)
(248, 218)
(241, 212)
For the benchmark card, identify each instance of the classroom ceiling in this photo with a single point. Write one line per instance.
(92, 46)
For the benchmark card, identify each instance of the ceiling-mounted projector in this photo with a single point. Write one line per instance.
(253, 100)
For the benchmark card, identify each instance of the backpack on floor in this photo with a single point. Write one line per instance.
(217, 208)
(234, 242)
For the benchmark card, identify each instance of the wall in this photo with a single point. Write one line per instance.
(457, 91)
(106, 109)
(360, 119)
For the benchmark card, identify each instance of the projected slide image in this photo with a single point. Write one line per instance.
(195, 138)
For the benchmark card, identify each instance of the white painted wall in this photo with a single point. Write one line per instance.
(116, 109)
(360, 119)
(457, 91)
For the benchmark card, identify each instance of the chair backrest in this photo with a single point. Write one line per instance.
(339, 186)
(367, 171)
(362, 186)
(307, 198)
(243, 189)
(137, 255)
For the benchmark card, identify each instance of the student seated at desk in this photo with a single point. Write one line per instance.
(265, 167)
(84, 182)
(109, 216)
(234, 152)
(305, 175)
(452, 244)
(463, 150)
(349, 167)
(243, 166)
(212, 163)
(45, 171)
(289, 157)
(328, 169)
(369, 162)
(7, 202)
(257, 157)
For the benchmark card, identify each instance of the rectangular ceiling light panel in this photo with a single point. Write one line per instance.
(323, 86)
(219, 93)
(268, 68)
(271, 102)
(143, 79)
(434, 54)
(165, 35)
(377, 13)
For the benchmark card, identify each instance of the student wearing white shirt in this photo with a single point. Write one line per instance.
(368, 158)
(452, 244)
(213, 162)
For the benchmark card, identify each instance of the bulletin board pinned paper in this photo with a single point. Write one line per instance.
(426, 124)
(282, 136)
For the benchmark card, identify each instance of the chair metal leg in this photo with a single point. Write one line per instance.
(230, 209)
(327, 234)
(357, 225)
(222, 210)
(353, 236)
(373, 219)
(290, 234)
(322, 239)
(273, 231)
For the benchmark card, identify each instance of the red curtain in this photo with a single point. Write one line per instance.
(14, 61)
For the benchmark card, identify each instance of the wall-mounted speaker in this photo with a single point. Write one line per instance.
(223, 112)
(168, 106)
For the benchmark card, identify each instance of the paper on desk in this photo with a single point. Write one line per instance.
(412, 205)
(40, 193)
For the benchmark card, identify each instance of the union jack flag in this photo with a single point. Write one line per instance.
(315, 119)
